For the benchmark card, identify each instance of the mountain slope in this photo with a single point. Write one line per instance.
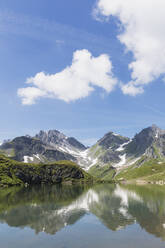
(29, 149)
(151, 171)
(108, 153)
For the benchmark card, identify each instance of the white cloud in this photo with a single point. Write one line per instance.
(143, 34)
(30, 94)
(131, 89)
(74, 82)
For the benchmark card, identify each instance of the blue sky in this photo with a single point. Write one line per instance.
(42, 36)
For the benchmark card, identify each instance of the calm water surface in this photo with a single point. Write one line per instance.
(103, 216)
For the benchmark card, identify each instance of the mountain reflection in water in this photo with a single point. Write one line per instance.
(50, 209)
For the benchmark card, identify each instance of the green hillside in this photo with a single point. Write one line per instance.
(151, 171)
(18, 173)
(144, 171)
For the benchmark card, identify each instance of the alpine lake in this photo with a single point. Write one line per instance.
(67, 216)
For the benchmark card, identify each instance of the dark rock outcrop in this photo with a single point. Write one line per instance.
(52, 154)
(110, 156)
(72, 141)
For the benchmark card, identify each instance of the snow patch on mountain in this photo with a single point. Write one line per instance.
(121, 147)
(95, 161)
(37, 156)
(27, 159)
(122, 161)
(133, 161)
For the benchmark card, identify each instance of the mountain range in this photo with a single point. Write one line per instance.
(104, 159)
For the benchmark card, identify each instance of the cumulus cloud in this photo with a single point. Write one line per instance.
(74, 82)
(131, 89)
(143, 24)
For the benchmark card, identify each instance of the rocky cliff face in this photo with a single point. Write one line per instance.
(147, 142)
(51, 137)
(75, 143)
(57, 139)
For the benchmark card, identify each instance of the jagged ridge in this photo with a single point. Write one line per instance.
(105, 159)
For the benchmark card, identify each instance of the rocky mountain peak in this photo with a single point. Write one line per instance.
(149, 134)
(59, 140)
(146, 139)
(51, 137)
(154, 130)
(111, 139)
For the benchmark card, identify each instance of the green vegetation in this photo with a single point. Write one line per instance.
(150, 171)
(156, 152)
(96, 151)
(18, 173)
(143, 171)
(105, 172)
